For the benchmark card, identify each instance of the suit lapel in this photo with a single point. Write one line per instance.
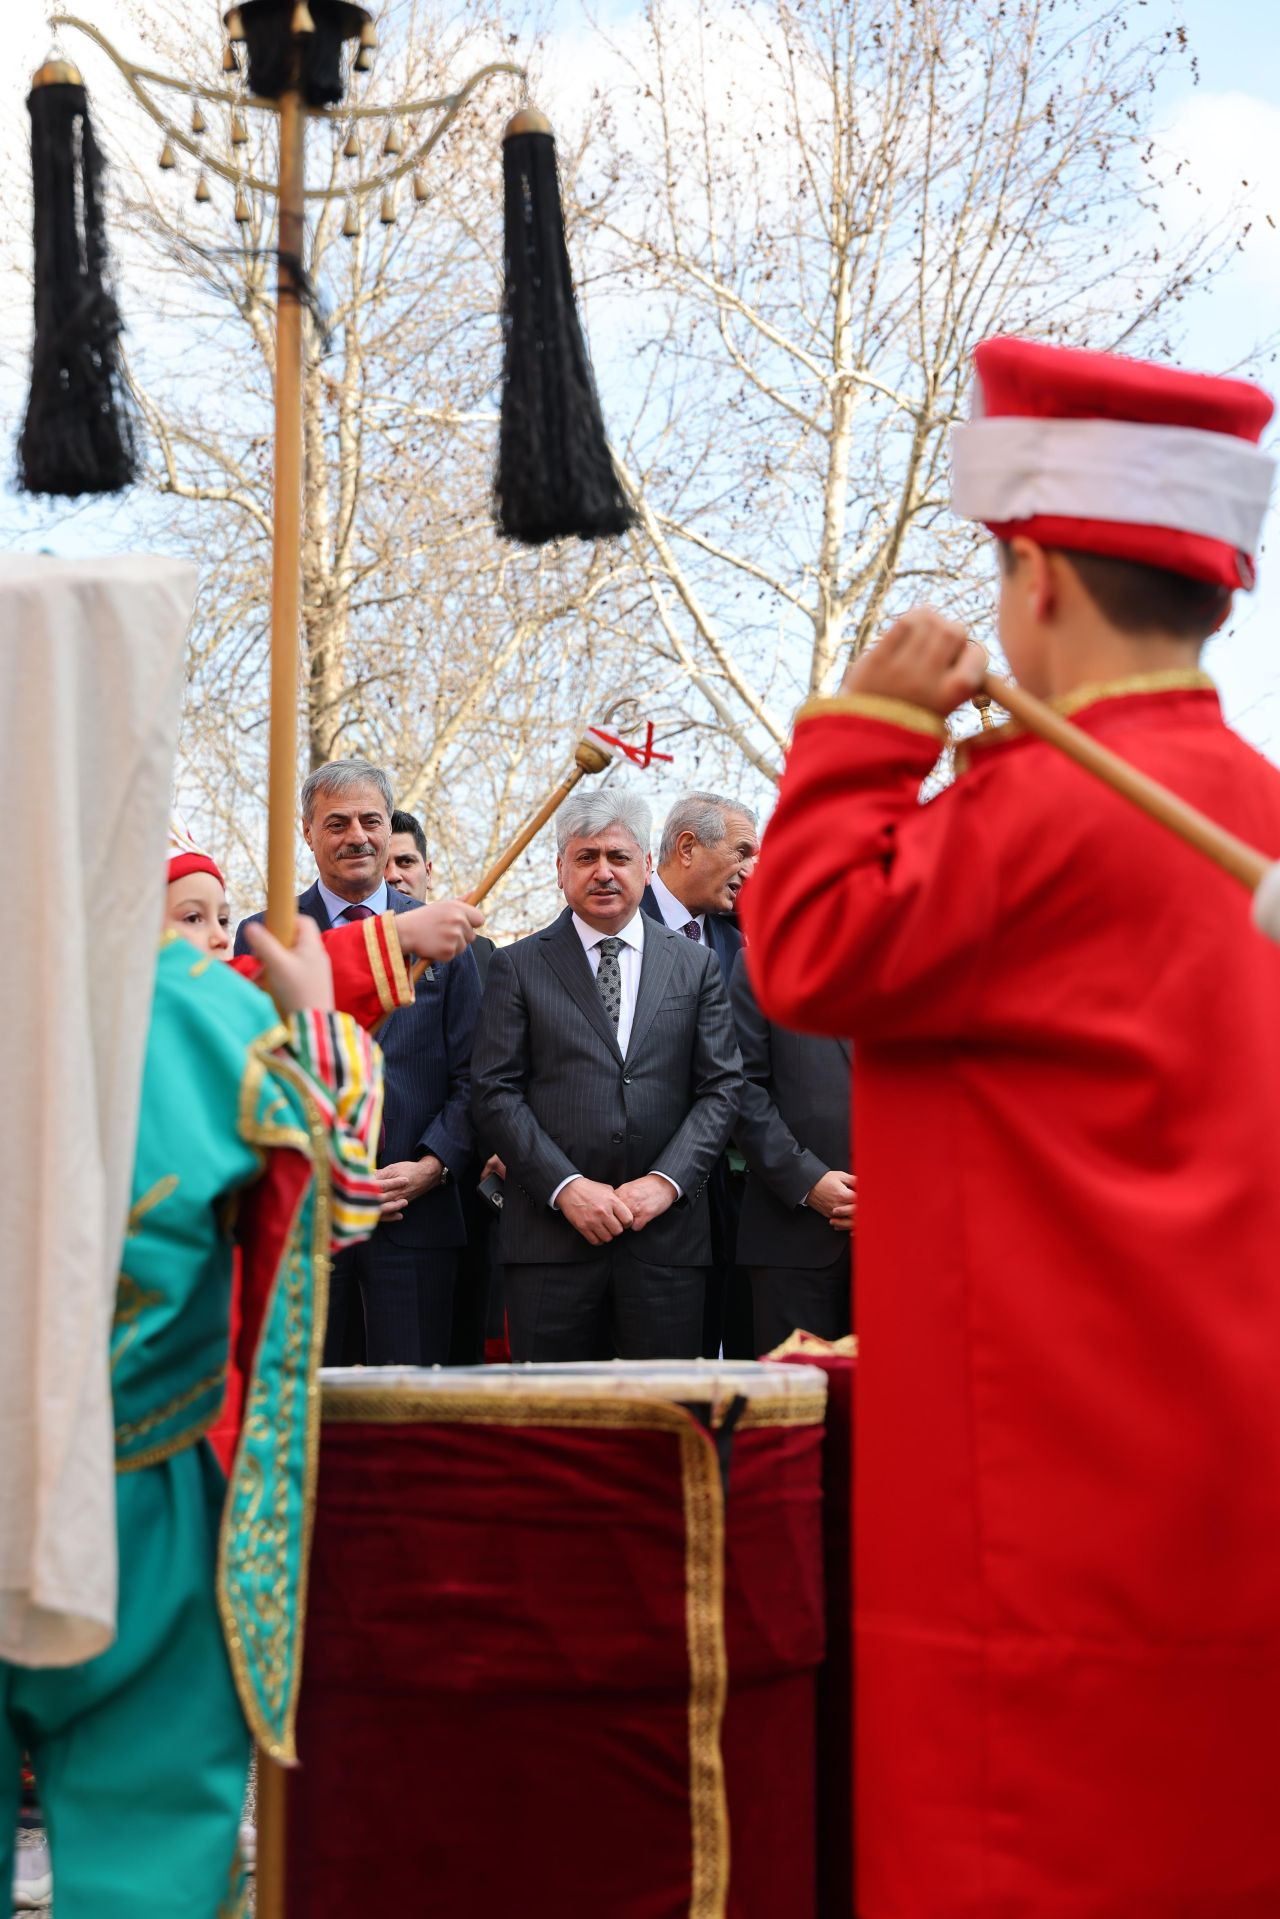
(312, 904)
(846, 1047)
(569, 963)
(656, 966)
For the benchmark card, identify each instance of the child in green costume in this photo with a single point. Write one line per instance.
(267, 1127)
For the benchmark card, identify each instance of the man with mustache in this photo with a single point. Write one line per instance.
(708, 848)
(607, 1077)
(405, 1275)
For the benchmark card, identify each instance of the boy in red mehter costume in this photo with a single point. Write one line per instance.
(1067, 1506)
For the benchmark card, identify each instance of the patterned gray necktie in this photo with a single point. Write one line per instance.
(609, 978)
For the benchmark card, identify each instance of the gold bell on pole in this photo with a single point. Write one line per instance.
(242, 207)
(351, 225)
(239, 131)
(203, 195)
(421, 191)
(351, 150)
(387, 211)
(394, 142)
(235, 27)
(197, 119)
(229, 62)
(368, 47)
(302, 22)
(168, 158)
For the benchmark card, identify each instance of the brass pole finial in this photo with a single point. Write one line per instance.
(57, 73)
(527, 120)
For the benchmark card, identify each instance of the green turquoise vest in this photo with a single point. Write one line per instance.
(215, 1098)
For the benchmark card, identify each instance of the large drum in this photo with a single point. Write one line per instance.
(561, 1642)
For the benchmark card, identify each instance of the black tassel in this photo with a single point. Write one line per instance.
(79, 434)
(271, 43)
(555, 475)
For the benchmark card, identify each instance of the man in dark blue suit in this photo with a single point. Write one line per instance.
(405, 1274)
(708, 848)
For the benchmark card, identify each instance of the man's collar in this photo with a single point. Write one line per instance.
(335, 905)
(632, 934)
(674, 912)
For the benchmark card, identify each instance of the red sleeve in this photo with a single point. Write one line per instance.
(263, 1224)
(370, 978)
(869, 914)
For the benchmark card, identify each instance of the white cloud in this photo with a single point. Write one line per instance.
(1231, 145)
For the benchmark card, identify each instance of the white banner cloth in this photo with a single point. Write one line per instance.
(91, 667)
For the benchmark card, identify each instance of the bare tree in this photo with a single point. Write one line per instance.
(813, 210)
(428, 644)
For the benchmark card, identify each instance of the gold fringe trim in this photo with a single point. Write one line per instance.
(136, 1428)
(314, 1144)
(373, 953)
(402, 986)
(179, 1442)
(1174, 680)
(871, 706)
(381, 1406)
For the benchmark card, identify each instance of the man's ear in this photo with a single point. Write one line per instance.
(685, 844)
(560, 871)
(1032, 575)
(648, 867)
(306, 833)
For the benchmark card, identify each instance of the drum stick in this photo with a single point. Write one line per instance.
(1243, 862)
(587, 758)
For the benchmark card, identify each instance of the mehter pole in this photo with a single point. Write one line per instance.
(286, 543)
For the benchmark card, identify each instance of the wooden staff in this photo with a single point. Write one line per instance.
(588, 757)
(1244, 862)
(286, 538)
(282, 766)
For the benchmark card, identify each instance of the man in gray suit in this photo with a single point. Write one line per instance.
(794, 1232)
(606, 1076)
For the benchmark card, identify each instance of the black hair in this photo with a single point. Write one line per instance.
(406, 823)
(1140, 599)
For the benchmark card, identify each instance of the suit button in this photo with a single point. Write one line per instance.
(617, 1139)
(626, 1079)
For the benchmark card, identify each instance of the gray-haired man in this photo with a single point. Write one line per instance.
(606, 1075)
(404, 1276)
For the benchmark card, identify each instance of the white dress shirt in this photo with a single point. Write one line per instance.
(674, 912)
(629, 962)
(630, 957)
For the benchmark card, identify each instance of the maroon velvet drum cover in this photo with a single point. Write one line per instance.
(562, 1634)
(835, 1795)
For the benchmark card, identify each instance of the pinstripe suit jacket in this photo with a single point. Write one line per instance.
(555, 1096)
(427, 1109)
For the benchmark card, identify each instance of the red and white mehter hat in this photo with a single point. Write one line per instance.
(185, 856)
(1101, 454)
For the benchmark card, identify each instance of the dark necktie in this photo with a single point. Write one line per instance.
(354, 913)
(691, 930)
(609, 978)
